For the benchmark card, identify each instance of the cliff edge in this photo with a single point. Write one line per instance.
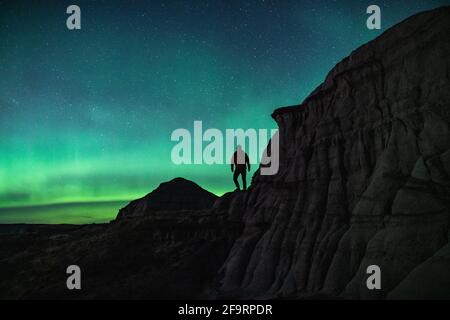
(364, 177)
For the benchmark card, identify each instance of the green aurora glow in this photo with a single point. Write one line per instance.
(86, 116)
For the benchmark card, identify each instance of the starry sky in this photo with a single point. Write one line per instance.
(86, 115)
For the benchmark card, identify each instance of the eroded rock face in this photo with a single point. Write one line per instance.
(364, 175)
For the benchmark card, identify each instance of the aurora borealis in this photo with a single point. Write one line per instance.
(86, 115)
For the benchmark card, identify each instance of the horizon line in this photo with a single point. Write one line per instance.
(56, 204)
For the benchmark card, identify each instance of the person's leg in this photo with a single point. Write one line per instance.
(244, 182)
(235, 178)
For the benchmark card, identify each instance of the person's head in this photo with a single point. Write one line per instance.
(239, 147)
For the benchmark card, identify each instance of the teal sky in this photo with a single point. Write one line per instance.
(86, 116)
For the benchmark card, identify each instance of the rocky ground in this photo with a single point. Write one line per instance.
(149, 258)
(160, 254)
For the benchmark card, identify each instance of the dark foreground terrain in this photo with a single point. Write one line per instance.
(161, 254)
(364, 180)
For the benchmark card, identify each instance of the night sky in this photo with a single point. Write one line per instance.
(86, 115)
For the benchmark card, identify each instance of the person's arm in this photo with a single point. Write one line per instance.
(232, 163)
(247, 160)
(232, 167)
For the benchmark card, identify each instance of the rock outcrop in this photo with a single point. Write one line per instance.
(175, 195)
(364, 177)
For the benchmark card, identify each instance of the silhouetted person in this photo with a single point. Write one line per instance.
(239, 163)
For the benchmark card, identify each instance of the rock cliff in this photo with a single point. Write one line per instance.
(364, 177)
